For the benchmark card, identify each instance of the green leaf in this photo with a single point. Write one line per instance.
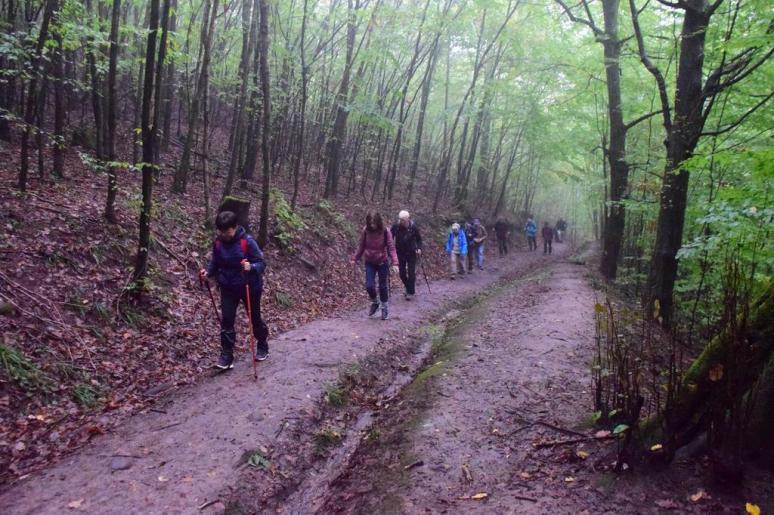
(620, 428)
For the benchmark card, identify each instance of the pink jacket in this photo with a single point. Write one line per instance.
(377, 248)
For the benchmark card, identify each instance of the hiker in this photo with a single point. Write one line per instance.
(237, 261)
(408, 244)
(470, 233)
(457, 249)
(561, 226)
(476, 245)
(501, 234)
(530, 228)
(548, 235)
(377, 249)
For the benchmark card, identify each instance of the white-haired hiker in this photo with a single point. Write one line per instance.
(457, 249)
(408, 243)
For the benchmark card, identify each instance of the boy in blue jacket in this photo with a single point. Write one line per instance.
(457, 249)
(237, 261)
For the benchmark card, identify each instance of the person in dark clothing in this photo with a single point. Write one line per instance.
(548, 236)
(561, 227)
(501, 233)
(408, 244)
(470, 235)
(237, 261)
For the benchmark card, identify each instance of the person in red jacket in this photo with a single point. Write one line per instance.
(548, 236)
(377, 249)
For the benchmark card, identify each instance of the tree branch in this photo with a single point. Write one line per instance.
(641, 119)
(741, 119)
(589, 22)
(652, 68)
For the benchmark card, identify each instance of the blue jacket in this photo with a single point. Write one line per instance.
(463, 242)
(531, 228)
(227, 257)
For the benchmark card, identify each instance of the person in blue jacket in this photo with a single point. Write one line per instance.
(530, 228)
(237, 261)
(457, 249)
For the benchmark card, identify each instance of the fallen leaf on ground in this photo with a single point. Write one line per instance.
(602, 433)
(698, 496)
(752, 509)
(667, 504)
(657, 447)
(163, 479)
(582, 454)
(75, 504)
(569, 479)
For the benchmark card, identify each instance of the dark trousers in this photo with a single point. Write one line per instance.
(383, 271)
(532, 242)
(472, 251)
(502, 246)
(229, 302)
(408, 267)
(546, 246)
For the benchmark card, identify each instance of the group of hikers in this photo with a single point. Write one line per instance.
(237, 265)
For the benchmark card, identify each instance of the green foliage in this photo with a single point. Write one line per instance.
(23, 372)
(287, 222)
(86, 395)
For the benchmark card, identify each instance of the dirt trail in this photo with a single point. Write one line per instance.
(519, 359)
(181, 455)
(498, 423)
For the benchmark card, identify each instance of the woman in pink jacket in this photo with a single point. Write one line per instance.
(378, 251)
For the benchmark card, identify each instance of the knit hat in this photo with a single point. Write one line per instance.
(403, 215)
(455, 226)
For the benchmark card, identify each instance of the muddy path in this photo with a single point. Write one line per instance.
(498, 421)
(187, 454)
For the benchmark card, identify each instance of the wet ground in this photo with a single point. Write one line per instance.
(473, 399)
(188, 452)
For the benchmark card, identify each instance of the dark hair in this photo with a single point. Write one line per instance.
(226, 220)
(374, 222)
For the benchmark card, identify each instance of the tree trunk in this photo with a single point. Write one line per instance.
(333, 146)
(59, 108)
(687, 414)
(110, 102)
(302, 112)
(180, 181)
(619, 168)
(29, 113)
(148, 142)
(681, 141)
(263, 48)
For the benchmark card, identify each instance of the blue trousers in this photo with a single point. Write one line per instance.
(383, 272)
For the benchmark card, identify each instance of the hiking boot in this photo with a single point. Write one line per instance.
(373, 308)
(225, 362)
(261, 355)
(385, 312)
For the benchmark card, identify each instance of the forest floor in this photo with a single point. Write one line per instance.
(471, 399)
(183, 451)
(79, 353)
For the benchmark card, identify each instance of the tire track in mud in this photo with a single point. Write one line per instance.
(511, 372)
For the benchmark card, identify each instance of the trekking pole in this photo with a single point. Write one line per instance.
(250, 324)
(422, 266)
(202, 282)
